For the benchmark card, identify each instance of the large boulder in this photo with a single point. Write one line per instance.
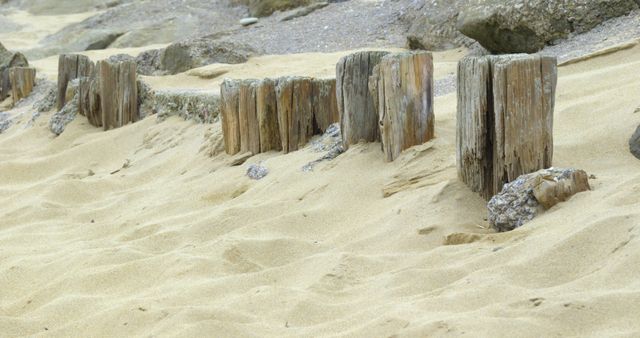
(432, 26)
(141, 23)
(531, 194)
(53, 7)
(525, 26)
(634, 143)
(188, 54)
(261, 8)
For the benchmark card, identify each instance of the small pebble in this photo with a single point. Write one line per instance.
(248, 21)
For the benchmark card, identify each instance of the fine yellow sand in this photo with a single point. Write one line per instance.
(140, 232)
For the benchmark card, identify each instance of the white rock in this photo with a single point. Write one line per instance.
(248, 21)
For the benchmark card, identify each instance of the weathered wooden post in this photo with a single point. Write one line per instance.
(267, 110)
(118, 93)
(248, 115)
(70, 66)
(504, 118)
(229, 114)
(358, 118)
(325, 104)
(9, 60)
(22, 81)
(402, 88)
(295, 111)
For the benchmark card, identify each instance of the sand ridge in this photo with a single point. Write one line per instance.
(176, 243)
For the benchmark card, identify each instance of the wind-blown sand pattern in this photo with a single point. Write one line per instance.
(140, 232)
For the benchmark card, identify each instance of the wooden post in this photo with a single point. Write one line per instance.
(325, 104)
(266, 107)
(358, 118)
(22, 81)
(295, 111)
(118, 93)
(9, 60)
(505, 118)
(229, 114)
(402, 88)
(70, 66)
(248, 117)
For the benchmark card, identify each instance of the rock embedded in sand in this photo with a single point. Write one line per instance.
(68, 113)
(634, 143)
(257, 171)
(402, 91)
(531, 194)
(517, 27)
(504, 119)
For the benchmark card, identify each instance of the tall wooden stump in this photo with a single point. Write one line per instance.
(402, 87)
(118, 93)
(22, 81)
(248, 117)
(505, 118)
(358, 118)
(229, 114)
(70, 66)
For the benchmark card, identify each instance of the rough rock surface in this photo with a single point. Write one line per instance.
(527, 25)
(53, 7)
(529, 195)
(203, 107)
(142, 23)
(331, 142)
(634, 143)
(257, 171)
(184, 55)
(263, 8)
(432, 25)
(5, 122)
(68, 113)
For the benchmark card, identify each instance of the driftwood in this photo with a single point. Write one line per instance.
(9, 60)
(118, 91)
(358, 118)
(70, 67)
(505, 119)
(22, 81)
(402, 87)
(282, 114)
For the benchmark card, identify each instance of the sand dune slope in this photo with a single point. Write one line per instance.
(138, 232)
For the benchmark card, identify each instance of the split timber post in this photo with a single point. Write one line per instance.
(22, 81)
(229, 114)
(118, 90)
(402, 90)
(358, 118)
(70, 67)
(504, 118)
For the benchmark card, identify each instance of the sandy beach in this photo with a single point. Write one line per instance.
(139, 231)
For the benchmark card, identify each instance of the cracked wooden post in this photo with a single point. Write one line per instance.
(9, 60)
(248, 117)
(504, 118)
(267, 111)
(118, 90)
(402, 88)
(70, 66)
(22, 81)
(295, 111)
(358, 118)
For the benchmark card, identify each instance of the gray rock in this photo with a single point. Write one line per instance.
(432, 25)
(5, 122)
(52, 7)
(257, 171)
(248, 21)
(531, 194)
(304, 11)
(68, 113)
(140, 23)
(199, 106)
(517, 26)
(188, 54)
(331, 142)
(634, 143)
